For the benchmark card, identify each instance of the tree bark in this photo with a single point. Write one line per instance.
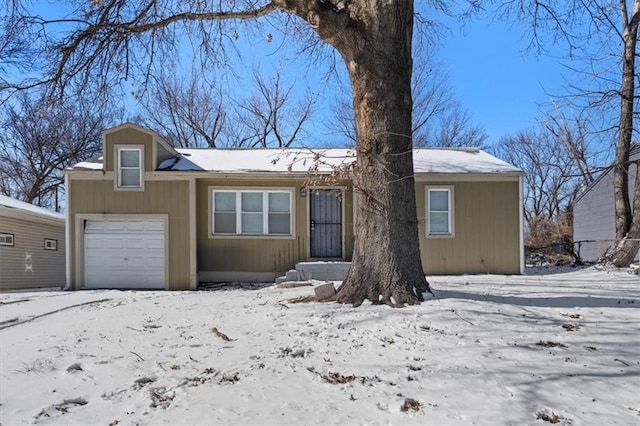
(621, 170)
(627, 222)
(627, 249)
(375, 41)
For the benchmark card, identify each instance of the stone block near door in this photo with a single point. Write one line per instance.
(324, 291)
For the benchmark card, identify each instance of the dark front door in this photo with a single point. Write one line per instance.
(326, 223)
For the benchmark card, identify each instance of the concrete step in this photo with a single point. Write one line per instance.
(320, 271)
(323, 271)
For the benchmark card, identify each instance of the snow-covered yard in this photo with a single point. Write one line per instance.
(558, 347)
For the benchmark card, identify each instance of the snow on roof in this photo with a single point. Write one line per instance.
(10, 203)
(263, 160)
(303, 160)
(459, 160)
(425, 160)
(90, 164)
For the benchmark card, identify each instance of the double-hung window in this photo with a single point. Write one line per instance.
(129, 168)
(439, 211)
(251, 212)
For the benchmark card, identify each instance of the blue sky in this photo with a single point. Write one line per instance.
(489, 70)
(497, 80)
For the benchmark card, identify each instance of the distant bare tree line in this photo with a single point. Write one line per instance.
(38, 139)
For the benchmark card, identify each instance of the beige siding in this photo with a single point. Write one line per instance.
(128, 136)
(162, 153)
(27, 264)
(159, 197)
(260, 254)
(486, 216)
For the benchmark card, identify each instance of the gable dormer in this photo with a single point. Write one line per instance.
(130, 151)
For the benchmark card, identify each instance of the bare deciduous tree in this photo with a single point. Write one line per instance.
(548, 169)
(195, 113)
(269, 117)
(558, 163)
(110, 39)
(189, 113)
(438, 119)
(598, 32)
(574, 135)
(39, 139)
(454, 129)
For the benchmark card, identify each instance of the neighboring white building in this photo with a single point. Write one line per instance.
(594, 227)
(32, 246)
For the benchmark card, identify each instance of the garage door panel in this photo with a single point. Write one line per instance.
(157, 262)
(92, 243)
(140, 227)
(114, 243)
(154, 243)
(123, 280)
(135, 244)
(125, 254)
(155, 226)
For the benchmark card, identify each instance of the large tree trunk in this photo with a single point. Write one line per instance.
(375, 42)
(621, 170)
(624, 251)
(386, 265)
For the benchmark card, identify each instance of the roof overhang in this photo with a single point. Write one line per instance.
(26, 215)
(419, 177)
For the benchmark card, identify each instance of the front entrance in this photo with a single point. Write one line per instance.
(325, 213)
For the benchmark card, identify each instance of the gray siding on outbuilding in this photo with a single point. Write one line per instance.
(27, 264)
(594, 227)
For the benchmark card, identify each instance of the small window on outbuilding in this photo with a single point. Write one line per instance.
(50, 244)
(6, 240)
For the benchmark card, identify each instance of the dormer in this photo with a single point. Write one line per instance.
(130, 151)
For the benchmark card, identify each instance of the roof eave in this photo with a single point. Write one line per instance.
(21, 214)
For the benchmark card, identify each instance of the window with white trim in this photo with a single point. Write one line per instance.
(6, 240)
(129, 168)
(50, 244)
(439, 211)
(251, 212)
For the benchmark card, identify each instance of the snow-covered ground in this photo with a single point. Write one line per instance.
(558, 347)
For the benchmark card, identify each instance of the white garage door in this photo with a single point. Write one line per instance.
(124, 254)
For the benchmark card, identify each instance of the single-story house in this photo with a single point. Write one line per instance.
(594, 227)
(32, 246)
(148, 215)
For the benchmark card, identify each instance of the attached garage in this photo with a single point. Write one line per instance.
(125, 254)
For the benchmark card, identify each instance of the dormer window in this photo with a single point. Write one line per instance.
(130, 168)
